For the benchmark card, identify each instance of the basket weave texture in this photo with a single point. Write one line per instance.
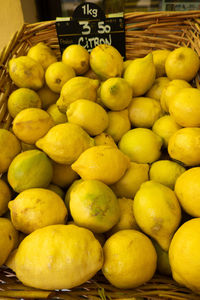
(144, 32)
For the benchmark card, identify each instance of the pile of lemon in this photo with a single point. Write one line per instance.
(100, 170)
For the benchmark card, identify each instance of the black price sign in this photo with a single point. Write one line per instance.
(90, 27)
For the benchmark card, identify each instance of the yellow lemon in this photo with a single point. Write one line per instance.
(115, 93)
(165, 127)
(9, 238)
(9, 148)
(166, 172)
(35, 208)
(184, 146)
(187, 190)
(77, 57)
(126, 63)
(159, 59)
(156, 90)
(22, 98)
(184, 255)
(157, 212)
(69, 190)
(185, 107)
(144, 111)
(170, 90)
(47, 96)
(65, 142)
(26, 72)
(57, 74)
(118, 124)
(77, 88)
(42, 54)
(30, 169)
(127, 219)
(45, 260)
(94, 205)
(5, 197)
(104, 139)
(127, 253)
(182, 63)
(55, 188)
(89, 115)
(63, 175)
(141, 74)
(106, 61)
(31, 124)
(163, 266)
(57, 116)
(130, 183)
(141, 145)
(104, 163)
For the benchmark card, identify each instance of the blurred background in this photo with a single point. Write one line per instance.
(14, 13)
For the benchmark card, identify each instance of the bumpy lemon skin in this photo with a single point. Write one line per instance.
(126, 254)
(58, 257)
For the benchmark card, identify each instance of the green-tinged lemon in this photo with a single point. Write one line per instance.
(22, 98)
(94, 205)
(30, 169)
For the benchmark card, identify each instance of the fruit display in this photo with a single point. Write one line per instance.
(100, 168)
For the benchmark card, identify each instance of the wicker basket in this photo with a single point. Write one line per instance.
(144, 32)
